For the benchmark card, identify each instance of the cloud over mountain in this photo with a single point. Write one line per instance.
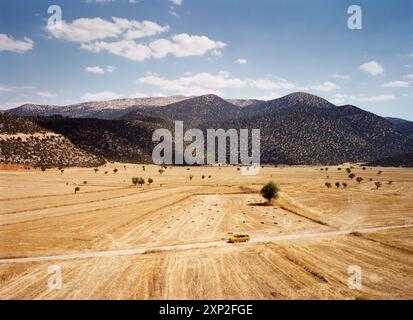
(119, 37)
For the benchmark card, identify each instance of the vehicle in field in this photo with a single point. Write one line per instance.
(237, 238)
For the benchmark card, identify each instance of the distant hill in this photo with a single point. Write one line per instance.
(299, 128)
(113, 140)
(304, 129)
(401, 160)
(200, 110)
(404, 126)
(25, 142)
(101, 110)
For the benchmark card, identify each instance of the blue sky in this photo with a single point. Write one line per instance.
(237, 49)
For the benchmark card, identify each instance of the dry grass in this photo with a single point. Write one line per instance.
(40, 216)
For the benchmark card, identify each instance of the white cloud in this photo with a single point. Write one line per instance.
(176, 2)
(325, 87)
(340, 98)
(181, 45)
(97, 70)
(267, 84)
(268, 97)
(409, 76)
(100, 70)
(340, 76)
(410, 94)
(173, 12)
(241, 61)
(372, 67)
(100, 96)
(92, 29)
(7, 88)
(118, 37)
(184, 45)
(146, 95)
(8, 43)
(111, 69)
(378, 98)
(46, 94)
(205, 83)
(396, 84)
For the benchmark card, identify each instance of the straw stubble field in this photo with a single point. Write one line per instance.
(114, 240)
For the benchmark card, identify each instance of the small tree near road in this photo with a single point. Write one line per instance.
(359, 179)
(270, 191)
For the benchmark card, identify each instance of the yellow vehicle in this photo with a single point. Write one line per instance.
(236, 238)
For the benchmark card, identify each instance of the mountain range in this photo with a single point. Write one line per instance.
(299, 128)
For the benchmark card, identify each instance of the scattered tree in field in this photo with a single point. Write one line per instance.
(96, 170)
(115, 170)
(61, 171)
(150, 181)
(344, 185)
(371, 179)
(390, 182)
(339, 169)
(348, 170)
(379, 172)
(187, 169)
(106, 172)
(43, 169)
(191, 177)
(378, 184)
(359, 179)
(351, 176)
(124, 167)
(135, 180)
(209, 177)
(77, 189)
(337, 184)
(141, 181)
(321, 169)
(143, 168)
(203, 177)
(326, 169)
(328, 177)
(161, 171)
(270, 191)
(328, 184)
(85, 182)
(364, 168)
(238, 169)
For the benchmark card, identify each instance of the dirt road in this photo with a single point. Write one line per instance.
(198, 245)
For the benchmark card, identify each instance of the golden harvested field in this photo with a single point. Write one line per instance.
(114, 240)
